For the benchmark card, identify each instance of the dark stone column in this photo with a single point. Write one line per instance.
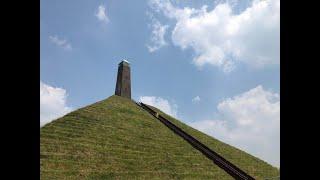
(123, 87)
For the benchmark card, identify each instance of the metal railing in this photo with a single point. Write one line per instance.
(227, 166)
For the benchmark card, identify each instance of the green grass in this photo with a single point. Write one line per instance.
(115, 139)
(248, 163)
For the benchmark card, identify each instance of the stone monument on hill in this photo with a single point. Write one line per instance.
(123, 87)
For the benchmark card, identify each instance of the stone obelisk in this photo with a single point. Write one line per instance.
(123, 87)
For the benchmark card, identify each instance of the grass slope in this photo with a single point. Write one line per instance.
(246, 162)
(115, 139)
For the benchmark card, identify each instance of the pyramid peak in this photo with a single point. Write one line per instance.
(124, 61)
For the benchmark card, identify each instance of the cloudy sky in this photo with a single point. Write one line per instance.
(212, 64)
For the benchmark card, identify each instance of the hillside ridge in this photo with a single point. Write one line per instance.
(113, 138)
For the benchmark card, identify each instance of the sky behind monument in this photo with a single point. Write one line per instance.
(212, 64)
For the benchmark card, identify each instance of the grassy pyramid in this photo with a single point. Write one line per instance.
(116, 139)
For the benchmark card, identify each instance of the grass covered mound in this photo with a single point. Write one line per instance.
(115, 138)
(252, 165)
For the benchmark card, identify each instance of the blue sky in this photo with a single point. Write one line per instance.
(224, 56)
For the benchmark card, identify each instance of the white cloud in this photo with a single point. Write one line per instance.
(221, 38)
(249, 121)
(157, 35)
(160, 103)
(196, 99)
(52, 103)
(102, 14)
(60, 42)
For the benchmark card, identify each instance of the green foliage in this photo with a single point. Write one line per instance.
(116, 139)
